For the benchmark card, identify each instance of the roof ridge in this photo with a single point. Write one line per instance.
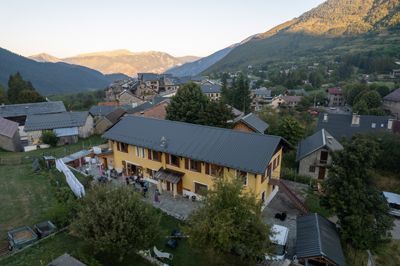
(198, 125)
(323, 137)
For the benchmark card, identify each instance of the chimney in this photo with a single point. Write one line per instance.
(325, 118)
(163, 142)
(330, 139)
(390, 124)
(355, 120)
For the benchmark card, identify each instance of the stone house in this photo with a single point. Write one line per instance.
(9, 135)
(391, 102)
(250, 123)
(314, 154)
(68, 126)
(104, 123)
(335, 97)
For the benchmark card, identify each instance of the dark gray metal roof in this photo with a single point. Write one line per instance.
(115, 115)
(76, 155)
(250, 152)
(254, 122)
(320, 139)
(101, 110)
(394, 96)
(66, 260)
(262, 91)
(317, 237)
(7, 127)
(58, 120)
(210, 88)
(24, 109)
(339, 125)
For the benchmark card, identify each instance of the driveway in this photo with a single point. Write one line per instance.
(281, 203)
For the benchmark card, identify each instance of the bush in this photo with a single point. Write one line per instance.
(61, 214)
(291, 175)
(49, 137)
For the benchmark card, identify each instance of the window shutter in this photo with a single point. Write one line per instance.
(149, 154)
(166, 158)
(199, 167)
(207, 168)
(186, 163)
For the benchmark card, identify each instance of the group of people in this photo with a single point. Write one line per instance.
(143, 185)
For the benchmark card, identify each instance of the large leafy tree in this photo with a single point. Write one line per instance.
(229, 222)
(191, 105)
(290, 129)
(188, 105)
(361, 209)
(116, 220)
(21, 91)
(3, 95)
(238, 95)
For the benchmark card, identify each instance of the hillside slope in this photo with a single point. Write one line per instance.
(50, 78)
(333, 25)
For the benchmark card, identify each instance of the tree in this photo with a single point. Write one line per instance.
(290, 129)
(239, 95)
(192, 106)
(49, 137)
(361, 209)
(217, 114)
(229, 222)
(21, 91)
(188, 105)
(116, 220)
(3, 95)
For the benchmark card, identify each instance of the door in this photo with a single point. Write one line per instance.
(321, 173)
(179, 187)
(169, 186)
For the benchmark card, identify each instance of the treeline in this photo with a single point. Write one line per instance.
(19, 91)
(81, 100)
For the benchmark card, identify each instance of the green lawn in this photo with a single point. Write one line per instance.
(26, 198)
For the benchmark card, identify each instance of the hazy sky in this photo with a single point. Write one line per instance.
(179, 27)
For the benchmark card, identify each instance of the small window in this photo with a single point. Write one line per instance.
(122, 147)
(154, 155)
(312, 169)
(194, 166)
(242, 175)
(173, 160)
(200, 188)
(140, 152)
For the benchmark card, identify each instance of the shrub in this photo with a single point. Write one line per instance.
(49, 137)
(291, 175)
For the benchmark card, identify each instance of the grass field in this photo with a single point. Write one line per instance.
(26, 197)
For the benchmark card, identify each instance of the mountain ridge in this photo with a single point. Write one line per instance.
(332, 23)
(122, 61)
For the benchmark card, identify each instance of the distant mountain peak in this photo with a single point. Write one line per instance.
(43, 57)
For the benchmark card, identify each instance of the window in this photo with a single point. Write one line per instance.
(154, 155)
(122, 147)
(214, 170)
(269, 170)
(140, 152)
(242, 176)
(172, 160)
(312, 169)
(324, 157)
(194, 166)
(200, 188)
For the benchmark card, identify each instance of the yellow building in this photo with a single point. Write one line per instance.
(186, 158)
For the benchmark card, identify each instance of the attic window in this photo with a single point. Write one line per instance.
(373, 125)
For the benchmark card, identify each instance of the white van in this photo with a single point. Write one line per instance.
(278, 239)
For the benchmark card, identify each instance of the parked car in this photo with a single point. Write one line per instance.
(393, 200)
(278, 239)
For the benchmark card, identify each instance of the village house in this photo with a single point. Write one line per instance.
(211, 90)
(68, 126)
(19, 112)
(314, 154)
(104, 123)
(9, 135)
(155, 111)
(391, 102)
(345, 126)
(250, 123)
(259, 98)
(184, 159)
(335, 97)
(128, 98)
(285, 100)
